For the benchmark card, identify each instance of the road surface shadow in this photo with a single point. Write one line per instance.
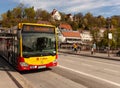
(35, 71)
(5, 66)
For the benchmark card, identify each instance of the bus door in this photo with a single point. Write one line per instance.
(11, 50)
(14, 51)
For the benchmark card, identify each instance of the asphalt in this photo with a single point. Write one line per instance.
(10, 78)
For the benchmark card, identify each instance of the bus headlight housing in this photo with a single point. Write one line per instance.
(55, 61)
(23, 64)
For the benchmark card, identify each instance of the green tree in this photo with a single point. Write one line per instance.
(100, 21)
(12, 17)
(105, 40)
(95, 35)
(115, 21)
(17, 12)
(42, 15)
(4, 19)
(117, 37)
(63, 16)
(88, 21)
(9, 15)
(74, 25)
(79, 19)
(30, 14)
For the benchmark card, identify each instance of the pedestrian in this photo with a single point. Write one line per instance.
(94, 48)
(92, 51)
(75, 47)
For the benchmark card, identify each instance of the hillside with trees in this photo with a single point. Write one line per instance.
(80, 22)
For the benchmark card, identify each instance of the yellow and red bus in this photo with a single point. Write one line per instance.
(33, 46)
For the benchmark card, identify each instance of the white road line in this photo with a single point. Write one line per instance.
(110, 70)
(89, 75)
(99, 62)
(106, 63)
(105, 69)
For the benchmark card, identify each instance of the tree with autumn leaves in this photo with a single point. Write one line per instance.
(84, 22)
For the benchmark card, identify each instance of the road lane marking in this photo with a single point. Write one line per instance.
(110, 70)
(89, 75)
(90, 60)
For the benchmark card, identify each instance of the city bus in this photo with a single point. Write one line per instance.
(32, 46)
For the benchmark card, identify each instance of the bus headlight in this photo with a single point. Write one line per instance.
(23, 64)
(55, 61)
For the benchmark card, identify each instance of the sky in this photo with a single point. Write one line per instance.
(106, 8)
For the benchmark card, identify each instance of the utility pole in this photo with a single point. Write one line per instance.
(109, 35)
(109, 38)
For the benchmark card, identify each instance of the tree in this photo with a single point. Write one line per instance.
(105, 40)
(63, 16)
(9, 15)
(90, 20)
(117, 37)
(100, 21)
(12, 17)
(115, 21)
(74, 25)
(79, 19)
(4, 19)
(42, 15)
(30, 13)
(17, 12)
(95, 35)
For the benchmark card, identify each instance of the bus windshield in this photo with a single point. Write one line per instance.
(38, 44)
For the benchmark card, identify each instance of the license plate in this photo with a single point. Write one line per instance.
(40, 67)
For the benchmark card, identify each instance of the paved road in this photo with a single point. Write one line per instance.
(101, 69)
(76, 71)
(49, 79)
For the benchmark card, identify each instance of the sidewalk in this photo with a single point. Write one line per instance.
(5, 80)
(10, 78)
(88, 54)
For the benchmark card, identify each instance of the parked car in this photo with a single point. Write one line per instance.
(118, 53)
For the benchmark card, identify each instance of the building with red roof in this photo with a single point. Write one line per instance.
(67, 35)
(65, 26)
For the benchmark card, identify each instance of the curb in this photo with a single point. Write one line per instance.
(19, 80)
(108, 58)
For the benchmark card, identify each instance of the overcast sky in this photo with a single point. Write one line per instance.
(107, 8)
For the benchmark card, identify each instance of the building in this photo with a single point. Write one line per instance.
(86, 37)
(69, 17)
(67, 36)
(55, 15)
(3, 30)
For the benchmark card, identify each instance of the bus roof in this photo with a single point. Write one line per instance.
(37, 24)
